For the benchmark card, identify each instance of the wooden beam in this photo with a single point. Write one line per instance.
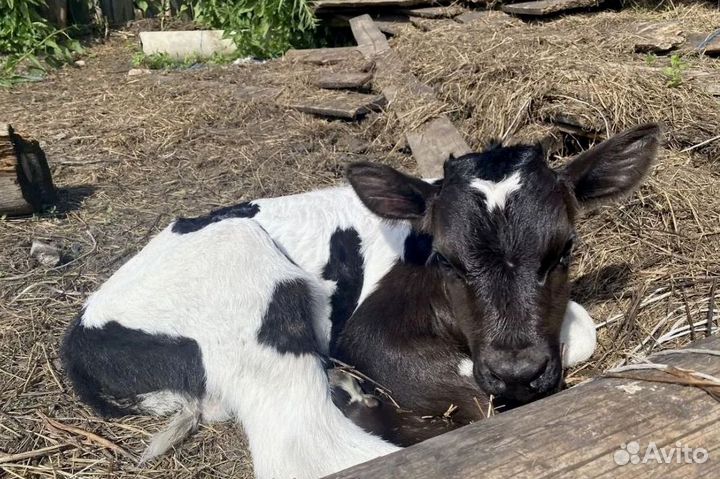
(548, 7)
(344, 80)
(434, 141)
(577, 433)
(344, 105)
(323, 56)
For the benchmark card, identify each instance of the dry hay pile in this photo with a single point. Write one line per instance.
(645, 268)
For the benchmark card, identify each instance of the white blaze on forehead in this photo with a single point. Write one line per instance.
(496, 194)
(465, 367)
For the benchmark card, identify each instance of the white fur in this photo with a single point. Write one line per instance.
(217, 294)
(465, 367)
(578, 335)
(496, 194)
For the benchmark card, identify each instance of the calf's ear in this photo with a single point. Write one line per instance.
(389, 193)
(615, 167)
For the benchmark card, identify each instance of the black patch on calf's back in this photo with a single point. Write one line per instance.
(113, 364)
(189, 225)
(345, 267)
(287, 322)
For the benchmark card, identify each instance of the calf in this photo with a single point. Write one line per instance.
(231, 313)
(480, 310)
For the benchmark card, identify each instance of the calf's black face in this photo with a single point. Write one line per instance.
(503, 228)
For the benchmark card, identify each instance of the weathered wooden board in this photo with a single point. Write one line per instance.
(450, 11)
(323, 56)
(344, 80)
(345, 105)
(434, 141)
(389, 23)
(660, 37)
(548, 7)
(577, 433)
(336, 4)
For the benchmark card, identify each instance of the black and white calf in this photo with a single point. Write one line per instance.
(232, 313)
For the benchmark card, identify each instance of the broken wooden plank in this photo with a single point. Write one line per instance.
(548, 7)
(345, 105)
(344, 80)
(323, 56)
(654, 37)
(434, 141)
(435, 12)
(580, 432)
(321, 5)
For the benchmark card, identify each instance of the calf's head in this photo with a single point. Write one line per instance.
(503, 228)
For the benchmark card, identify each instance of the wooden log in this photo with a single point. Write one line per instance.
(451, 11)
(548, 7)
(344, 105)
(344, 80)
(25, 181)
(578, 433)
(323, 56)
(433, 142)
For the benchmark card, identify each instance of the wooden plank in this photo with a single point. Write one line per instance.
(652, 37)
(360, 4)
(434, 141)
(709, 44)
(344, 80)
(323, 56)
(548, 7)
(437, 139)
(435, 12)
(576, 433)
(345, 105)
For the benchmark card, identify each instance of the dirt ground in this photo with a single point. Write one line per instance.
(131, 153)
